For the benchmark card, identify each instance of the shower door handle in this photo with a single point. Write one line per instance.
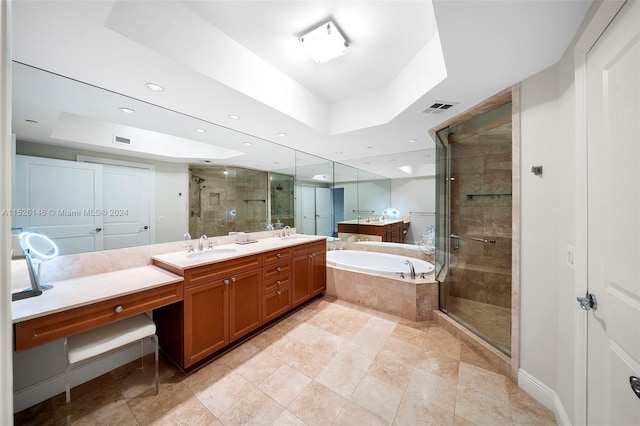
(457, 238)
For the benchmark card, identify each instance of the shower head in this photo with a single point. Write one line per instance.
(199, 180)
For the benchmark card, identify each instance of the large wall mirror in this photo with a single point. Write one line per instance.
(119, 180)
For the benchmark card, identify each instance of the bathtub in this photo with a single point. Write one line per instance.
(380, 263)
(373, 280)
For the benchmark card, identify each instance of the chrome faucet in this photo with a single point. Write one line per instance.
(201, 242)
(411, 268)
(286, 231)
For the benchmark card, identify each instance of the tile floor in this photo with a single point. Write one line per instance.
(329, 363)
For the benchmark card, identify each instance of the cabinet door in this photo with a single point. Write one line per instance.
(277, 303)
(245, 310)
(318, 272)
(206, 320)
(301, 267)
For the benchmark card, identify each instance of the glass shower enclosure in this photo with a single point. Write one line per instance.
(474, 228)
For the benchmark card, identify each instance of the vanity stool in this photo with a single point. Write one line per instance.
(106, 338)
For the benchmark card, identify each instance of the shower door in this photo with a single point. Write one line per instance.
(474, 224)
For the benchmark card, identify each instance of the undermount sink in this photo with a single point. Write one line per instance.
(295, 238)
(210, 253)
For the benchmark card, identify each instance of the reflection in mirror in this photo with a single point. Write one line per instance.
(282, 202)
(313, 187)
(55, 117)
(227, 199)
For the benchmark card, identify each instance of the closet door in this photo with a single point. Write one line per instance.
(61, 199)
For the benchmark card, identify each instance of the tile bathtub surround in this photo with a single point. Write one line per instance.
(329, 363)
(406, 298)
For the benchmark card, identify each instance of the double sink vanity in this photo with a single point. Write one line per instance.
(203, 302)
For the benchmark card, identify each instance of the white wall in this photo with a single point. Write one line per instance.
(550, 317)
(415, 195)
(6, 330)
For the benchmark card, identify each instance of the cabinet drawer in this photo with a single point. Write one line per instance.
(218, 270)
(56, 326)
(276, 304)
(309, 247)
(276, 256)
(277, 271)
(274, 284)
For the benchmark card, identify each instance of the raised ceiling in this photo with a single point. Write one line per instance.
(217, 58)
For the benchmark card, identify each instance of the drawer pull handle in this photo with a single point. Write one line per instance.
(278, 282)
(278, 292)
(226, 282)
(118, 309)
(278, 269)
(233, 279)
(278, 255)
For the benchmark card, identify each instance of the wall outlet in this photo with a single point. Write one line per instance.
(162, 219)
(571, 256)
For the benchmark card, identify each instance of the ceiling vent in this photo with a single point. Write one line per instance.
(121, 140)
(438, 107)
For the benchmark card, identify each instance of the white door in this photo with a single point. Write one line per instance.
(308, 210)
(323, 212)
(613, 111)
(61, 199)
(127, 204)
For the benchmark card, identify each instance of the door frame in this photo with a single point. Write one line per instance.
(597, 25)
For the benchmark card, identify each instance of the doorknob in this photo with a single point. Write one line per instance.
(98, 229)
(635, 385)
(589, 302)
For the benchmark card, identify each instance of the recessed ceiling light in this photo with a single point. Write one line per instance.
(127, 110)
(225, 172)
(413, 140)
(199, 130)
(369, 147)
(154, 87)
(281, 134)
(234, 116)
(324, 43)
(247, 143)
(31, 121)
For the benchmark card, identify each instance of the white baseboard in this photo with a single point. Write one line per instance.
(31, 395)
(544, 395)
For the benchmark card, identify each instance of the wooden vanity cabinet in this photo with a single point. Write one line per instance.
(222, 303)
(227, 300)
(308, 271)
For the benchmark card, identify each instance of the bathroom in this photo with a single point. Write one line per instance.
(549, 348)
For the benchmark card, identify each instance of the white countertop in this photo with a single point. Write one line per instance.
(77, 292)
(183, 260)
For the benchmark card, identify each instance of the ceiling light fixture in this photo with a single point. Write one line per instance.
(154, 87)
(281, 134)
(127, 110)
(234, 116)
(324, 43)
(247, 143)
(413, 140)
(199, 130)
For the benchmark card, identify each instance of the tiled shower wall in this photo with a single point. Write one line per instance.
(236, 201)
(481, 207)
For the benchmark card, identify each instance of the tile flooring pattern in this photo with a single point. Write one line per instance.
(329, 363)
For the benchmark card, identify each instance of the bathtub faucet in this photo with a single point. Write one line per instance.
(411, 268)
